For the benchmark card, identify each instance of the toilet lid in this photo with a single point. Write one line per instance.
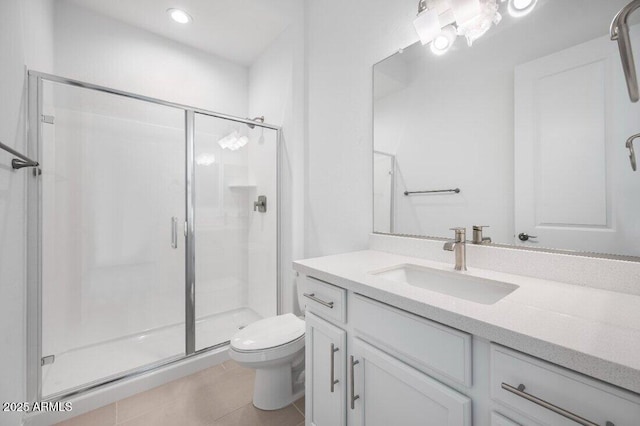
(269, 333)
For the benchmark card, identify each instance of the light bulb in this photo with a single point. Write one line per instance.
(443, 41)
(518, 8)
(180, 16)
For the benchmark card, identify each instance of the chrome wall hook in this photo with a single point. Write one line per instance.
(632, 154)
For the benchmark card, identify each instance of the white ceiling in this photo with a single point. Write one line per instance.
(237, 30)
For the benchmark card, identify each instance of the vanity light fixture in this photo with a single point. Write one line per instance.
(179, 15)
(427, 24)
(518, 8)
(439, 22)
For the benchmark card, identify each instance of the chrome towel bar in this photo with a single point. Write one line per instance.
(21, 161)
(436, 191)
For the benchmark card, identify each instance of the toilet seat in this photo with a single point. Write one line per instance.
(269, 333)
(275, 348)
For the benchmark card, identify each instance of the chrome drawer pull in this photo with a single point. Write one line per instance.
(313, 297)
(334, 381)
(549, 406)
(353, 385)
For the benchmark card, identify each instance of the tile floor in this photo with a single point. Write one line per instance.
(218, 396)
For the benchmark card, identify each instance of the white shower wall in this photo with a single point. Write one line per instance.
(222, 215)
(23, 42)
(262, 253)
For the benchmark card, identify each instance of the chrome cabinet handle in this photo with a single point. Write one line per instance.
(549, 406)
(353, 363)
(313, 297)
(174, 232)
(334, 381)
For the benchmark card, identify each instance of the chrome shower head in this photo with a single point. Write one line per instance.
(260, 119)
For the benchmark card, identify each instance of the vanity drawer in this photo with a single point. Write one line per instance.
(325, 300)
(547, 383)
(426, 345)
(498, 419)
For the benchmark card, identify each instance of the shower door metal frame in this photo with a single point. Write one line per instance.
(34, 233)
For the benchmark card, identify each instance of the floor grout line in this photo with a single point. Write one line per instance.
(231, 412)
(299, 411)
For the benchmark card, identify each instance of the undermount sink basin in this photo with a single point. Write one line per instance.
(457, 284)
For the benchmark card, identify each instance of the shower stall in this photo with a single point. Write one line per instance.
(153, 233)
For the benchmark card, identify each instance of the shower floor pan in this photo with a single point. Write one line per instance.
(79, 367)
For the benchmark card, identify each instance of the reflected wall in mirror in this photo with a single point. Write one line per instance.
(530, 123)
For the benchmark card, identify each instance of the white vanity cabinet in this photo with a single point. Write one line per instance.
(374, 381)
(371, 364)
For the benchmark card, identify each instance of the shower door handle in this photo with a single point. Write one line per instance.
(174, 232)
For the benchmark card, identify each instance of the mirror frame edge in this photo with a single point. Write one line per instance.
(587, 254)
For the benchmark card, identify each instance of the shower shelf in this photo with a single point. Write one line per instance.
(247, 186)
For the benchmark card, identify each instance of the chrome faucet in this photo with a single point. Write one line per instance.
(478, 238)
(458, 246)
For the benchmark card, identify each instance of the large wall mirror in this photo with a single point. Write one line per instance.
(523, 131)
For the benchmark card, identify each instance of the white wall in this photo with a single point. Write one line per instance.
(344, 40)
(276, 90)
(20, 46)
(100, 50)
(12, 220)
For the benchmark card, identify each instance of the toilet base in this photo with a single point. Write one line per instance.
(273, 388)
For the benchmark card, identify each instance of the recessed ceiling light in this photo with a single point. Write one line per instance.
(520, 8)
(180, 16)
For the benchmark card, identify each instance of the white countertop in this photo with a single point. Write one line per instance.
(592, 331)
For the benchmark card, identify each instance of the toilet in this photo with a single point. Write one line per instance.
(274, 347)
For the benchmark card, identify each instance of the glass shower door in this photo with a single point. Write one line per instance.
(236, 227)
(113, 247)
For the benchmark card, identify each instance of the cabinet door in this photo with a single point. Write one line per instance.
(385, 391)
(325, 373)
